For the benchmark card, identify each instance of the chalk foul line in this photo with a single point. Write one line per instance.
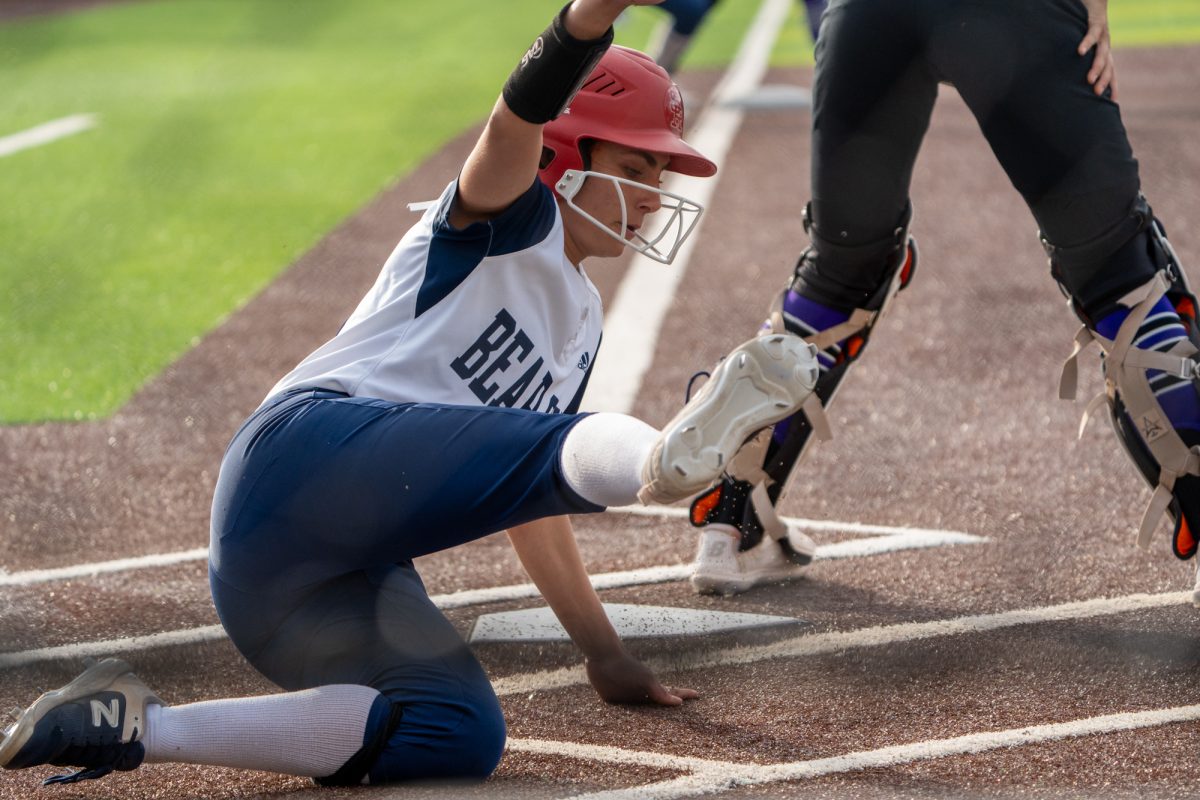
(791, 647)
(706, 777)
(46, 132)
(812, 644)
(889, 538)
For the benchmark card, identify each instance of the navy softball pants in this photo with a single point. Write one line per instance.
(322, 503)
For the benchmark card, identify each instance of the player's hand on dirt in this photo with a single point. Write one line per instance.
(1103, 74)
(621, 678)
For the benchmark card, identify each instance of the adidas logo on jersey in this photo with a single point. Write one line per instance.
(584, 361)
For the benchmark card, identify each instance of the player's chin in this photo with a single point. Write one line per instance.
(607, 249)
(610, 247)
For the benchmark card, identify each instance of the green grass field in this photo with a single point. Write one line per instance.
(233, 134)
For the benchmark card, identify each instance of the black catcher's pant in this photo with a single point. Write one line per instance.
(1015, 64)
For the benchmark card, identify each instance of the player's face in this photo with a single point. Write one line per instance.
(600, 199)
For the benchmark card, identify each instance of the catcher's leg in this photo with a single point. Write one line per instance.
(1075, 168)
(737, 512)
(873, 94)
(1151, 343)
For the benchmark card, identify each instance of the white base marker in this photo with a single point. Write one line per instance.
(708, 777)
(630, 622)
(46, 132)
(774, 97)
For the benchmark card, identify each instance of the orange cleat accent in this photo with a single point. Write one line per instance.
(907, 270)
(1185, 543)
(1186, 308)
(704, 505)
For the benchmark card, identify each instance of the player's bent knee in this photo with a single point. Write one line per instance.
(479, 744)
(466, 743)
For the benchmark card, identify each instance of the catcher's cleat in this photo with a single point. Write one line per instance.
(748, 510)
(733, 504)
(97, 722)
(759, 383)
(722, 568)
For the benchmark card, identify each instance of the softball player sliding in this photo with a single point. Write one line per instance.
(443, 411)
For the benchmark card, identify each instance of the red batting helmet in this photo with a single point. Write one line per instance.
(628, 100)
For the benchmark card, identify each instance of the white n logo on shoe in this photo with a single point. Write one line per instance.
(111, 713)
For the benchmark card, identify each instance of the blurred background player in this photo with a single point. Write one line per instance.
(686, 17)
(813, 11)
(444, 410)
(1038, 75)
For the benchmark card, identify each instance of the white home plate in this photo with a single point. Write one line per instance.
(631, 622)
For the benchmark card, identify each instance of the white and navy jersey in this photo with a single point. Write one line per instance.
(493, 314)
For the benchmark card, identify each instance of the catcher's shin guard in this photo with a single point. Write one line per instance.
(842, 345)
(1135, 382)
(746, 496)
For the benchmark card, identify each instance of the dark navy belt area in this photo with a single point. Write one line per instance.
(314, 391)
(277, 401)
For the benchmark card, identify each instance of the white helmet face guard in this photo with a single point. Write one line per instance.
(662, 243)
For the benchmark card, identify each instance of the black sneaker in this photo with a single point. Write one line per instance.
(96, 722)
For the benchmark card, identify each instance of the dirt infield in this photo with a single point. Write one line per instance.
(951, 423)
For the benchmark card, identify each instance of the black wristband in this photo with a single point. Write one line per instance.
(551, 72)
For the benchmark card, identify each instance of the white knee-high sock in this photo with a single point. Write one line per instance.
(602, 457)
(310, 733)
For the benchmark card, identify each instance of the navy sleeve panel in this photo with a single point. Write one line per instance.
(573, 406)
(525, 223)
(454, 253)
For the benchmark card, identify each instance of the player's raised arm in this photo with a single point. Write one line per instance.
(505, 159)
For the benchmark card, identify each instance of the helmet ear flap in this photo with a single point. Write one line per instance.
(585, 152)
(584, 149)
